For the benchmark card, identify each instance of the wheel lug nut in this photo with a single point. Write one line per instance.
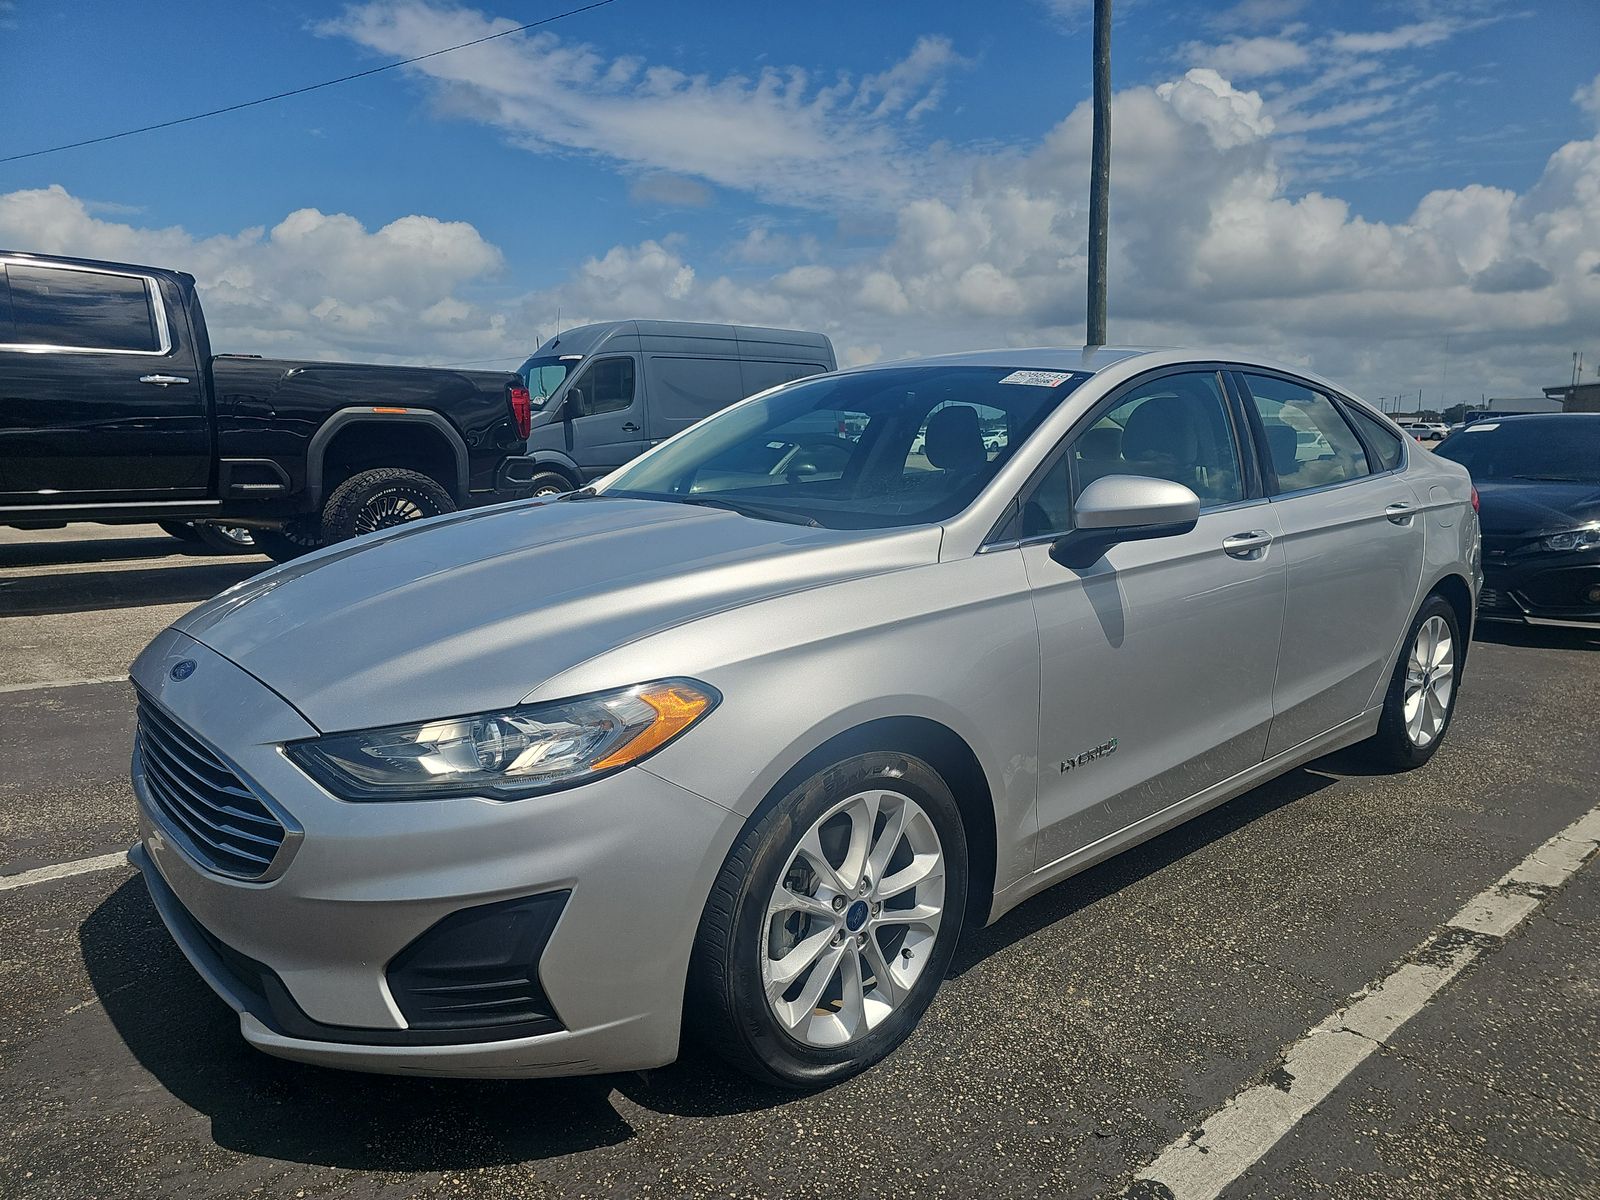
(877, 908)
(838, 904)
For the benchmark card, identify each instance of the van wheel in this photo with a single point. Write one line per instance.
(299, 536)
(548, 483)
(1422, 692)
(381, 499)
(832, 923)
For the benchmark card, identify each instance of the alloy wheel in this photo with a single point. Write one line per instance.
(1430, 681)
(853, 919)
(387, 511)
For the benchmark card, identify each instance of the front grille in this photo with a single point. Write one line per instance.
(221, 822)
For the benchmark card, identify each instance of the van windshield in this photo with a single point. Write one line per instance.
(871, 450)
(544, 375)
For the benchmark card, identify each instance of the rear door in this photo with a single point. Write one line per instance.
(1157, 661)
(1353, 546)
(604, 414)
(101, 397)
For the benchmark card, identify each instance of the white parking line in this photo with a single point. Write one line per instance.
(60, 683)
(101, 862)
(1199, 1165)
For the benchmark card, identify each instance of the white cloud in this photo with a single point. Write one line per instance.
(1249, 58)
(669, 191)
(781, 134)
(314, 285)
(1403, 37)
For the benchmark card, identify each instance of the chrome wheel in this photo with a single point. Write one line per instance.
(235, 535)
(385, 512)
(852, 921)
(1430, 681)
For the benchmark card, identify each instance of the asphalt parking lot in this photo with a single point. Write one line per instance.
(1102, 1024)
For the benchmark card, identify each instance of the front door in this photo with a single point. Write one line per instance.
(1353, 546)
(101, 399)
(1158, 660)
(604, 415)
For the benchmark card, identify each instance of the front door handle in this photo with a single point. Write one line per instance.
(1247, 545)
(1399, 512)
(630, 427)
(162, 380)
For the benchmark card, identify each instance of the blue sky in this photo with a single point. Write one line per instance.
(1293, 176)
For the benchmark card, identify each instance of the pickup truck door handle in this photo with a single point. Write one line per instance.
(630, 427)
(163, 380)
(1399, 512)
(1247, 545)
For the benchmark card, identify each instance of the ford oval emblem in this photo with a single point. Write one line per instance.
(182, 670)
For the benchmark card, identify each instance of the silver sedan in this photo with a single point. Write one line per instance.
(533, 789)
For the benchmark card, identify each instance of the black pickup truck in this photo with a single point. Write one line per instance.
(113, 409)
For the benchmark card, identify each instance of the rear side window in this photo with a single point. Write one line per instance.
(686, 389)
(1308, 443)
(607, 386)
(1385, 443)
(87, 310)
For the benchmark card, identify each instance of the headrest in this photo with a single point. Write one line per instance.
(1161, 428)
(1282, 444)
(1101, 444)
(954, 441)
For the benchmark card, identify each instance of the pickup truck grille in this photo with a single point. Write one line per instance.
(220, 821)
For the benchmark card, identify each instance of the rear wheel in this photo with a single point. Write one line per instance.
(1422, 692)
(381, 499)
(832, 923)
(296, 537)
(549, 483)
(230, 539)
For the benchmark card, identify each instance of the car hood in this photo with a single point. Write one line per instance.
(473, 611)
(1516, 507)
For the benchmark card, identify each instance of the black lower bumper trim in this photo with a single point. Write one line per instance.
(257, 989)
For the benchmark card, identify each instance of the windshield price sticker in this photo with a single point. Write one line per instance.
(1038, 378)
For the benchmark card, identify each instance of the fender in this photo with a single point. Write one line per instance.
(364, 413)
(557, 461)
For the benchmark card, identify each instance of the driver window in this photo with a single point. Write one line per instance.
(1175, 427)
(607, 386)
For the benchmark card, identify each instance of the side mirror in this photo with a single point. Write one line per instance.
(1124, 508)
(571, 405)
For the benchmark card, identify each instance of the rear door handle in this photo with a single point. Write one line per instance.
(630, 427)
(162, 380)
(1247, 545)
(1399, 512)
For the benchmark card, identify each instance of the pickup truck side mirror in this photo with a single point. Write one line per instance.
(1124, 508)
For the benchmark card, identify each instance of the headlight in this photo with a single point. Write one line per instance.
(1587, 538)
(509, 754)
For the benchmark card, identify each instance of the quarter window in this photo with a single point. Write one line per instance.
(1175, 427)
(1308, 443)
(88, 310)
(607, 386)
(1385, 443)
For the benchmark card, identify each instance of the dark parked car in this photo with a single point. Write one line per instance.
(1538, 481)
(112, 408)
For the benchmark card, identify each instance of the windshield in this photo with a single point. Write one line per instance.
(1559, 449)
(544, 375)
(878, 449)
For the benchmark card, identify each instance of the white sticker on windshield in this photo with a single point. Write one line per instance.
(1482, 427)
(1038, 378)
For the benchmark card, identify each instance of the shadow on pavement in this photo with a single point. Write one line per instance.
(90, 591)
(56, 552)
(188, 1039)
(1536, 637)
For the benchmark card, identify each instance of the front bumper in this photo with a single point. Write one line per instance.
(1542, 589)
(307, 956)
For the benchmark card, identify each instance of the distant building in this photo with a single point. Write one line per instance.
(1582, 397)
(1509, 406)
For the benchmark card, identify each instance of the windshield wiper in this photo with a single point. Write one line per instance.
(586, 493)
(759, 511)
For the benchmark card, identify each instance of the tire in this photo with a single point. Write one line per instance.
(229, 539)
(297, 537)
(548, 483)
(1404, 742)
(827, 1037)
(381, 499)
(181, 530)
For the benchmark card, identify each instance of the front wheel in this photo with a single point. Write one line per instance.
(1422, 691)
(832, 923)
(299, 536)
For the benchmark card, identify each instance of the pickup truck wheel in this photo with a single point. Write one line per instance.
(181, 530)
(300, 536)
(381, 499)
(230, 539)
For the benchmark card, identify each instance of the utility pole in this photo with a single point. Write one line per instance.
(1100, 174)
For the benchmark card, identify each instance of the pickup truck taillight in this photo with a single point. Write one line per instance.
(522, 410)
